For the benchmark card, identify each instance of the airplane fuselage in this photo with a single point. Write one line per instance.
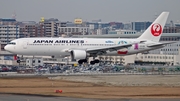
(82, 48)
(60, 46)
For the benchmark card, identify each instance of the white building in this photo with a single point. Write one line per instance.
(156, 58)
(118, 59)
(167, 59)
(74, 30)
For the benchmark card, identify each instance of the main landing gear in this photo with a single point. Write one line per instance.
(91, 62)
(94, 61)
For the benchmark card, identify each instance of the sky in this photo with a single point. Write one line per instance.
(88, 10)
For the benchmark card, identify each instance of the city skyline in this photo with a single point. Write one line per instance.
(88, 10)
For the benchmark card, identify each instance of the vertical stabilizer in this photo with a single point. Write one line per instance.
(155, 30)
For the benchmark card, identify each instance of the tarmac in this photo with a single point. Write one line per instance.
(9, 97)
(113, 80)
(127, 80)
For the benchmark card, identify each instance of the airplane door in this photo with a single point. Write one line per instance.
(25, 44)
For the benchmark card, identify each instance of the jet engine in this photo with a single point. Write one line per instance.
(78, 54)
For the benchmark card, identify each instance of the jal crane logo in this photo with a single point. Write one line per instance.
(156, 29)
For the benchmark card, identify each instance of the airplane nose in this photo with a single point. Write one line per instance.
(9, 48)
(6, 48)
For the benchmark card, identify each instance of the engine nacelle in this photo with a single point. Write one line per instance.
(78, 54)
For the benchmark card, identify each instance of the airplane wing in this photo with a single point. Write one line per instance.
(107, 48)
(110, 48)
(160, 44)
(102, 50)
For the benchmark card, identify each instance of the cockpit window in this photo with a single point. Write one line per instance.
(12, 43)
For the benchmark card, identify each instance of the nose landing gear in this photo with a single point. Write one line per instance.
(81, 61)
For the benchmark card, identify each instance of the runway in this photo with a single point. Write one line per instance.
(9, 97)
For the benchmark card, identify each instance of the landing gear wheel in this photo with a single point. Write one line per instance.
(80, 61)
(96, 61)
(92, 62)
(85, 60)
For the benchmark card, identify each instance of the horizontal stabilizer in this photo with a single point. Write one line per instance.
(160, 44)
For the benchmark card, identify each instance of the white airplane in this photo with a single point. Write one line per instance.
(82, 48)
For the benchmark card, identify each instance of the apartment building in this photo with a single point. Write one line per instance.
(9, 30)
(49, 27)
